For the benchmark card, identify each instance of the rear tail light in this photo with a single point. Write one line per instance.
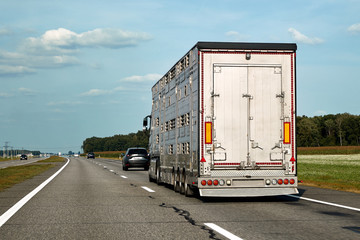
(211, 182)
(281, 181)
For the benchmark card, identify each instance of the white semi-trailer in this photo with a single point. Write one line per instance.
(223, 121)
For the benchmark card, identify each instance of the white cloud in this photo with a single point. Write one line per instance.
(355, 28)
(301, 38)
(65, 41)
(147, 77)
(320, 113)
(5, 32)
(57, 48)
(27, 91)
(236, 36)
(65, 103)
(5, 95)
(14, 70)
(101, 92)
(96, 92)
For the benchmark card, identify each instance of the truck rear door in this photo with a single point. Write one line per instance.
(248, 116)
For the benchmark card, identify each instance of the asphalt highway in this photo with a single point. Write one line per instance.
(96, 199)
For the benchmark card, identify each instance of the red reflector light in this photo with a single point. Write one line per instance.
(280, 181)
(203, 182)
(286, 181)
(292, 181)
(216, 182)
(209, 182)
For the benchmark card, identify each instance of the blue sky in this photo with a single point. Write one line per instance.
(70, 70)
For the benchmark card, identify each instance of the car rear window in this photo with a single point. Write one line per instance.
(138, 151)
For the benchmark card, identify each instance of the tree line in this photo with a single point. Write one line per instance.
(116, 142)
(328, 130)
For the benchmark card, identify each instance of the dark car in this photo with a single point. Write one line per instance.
(23, 157)
(90, 155)
(136, 157)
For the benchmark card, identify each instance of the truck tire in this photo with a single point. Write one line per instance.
(158, 180)
(176, 182)
(150, 179)
(188, 191)
(182, 183)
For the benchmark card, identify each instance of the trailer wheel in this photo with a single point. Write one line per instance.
(182, 183)
(176, 181)
(150, 178)
(158, 180)
(188, 191)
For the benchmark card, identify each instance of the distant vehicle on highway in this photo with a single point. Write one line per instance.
(136, 157)
(90, 155)
(76, 155)
(23, 157)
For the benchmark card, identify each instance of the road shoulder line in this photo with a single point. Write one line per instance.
(326, 203)
(9, 213)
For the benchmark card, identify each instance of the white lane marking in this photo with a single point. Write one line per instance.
(326, 203)
(222, 231)
(111, 170)
(148, 189)
(9, 213)
(123, 176)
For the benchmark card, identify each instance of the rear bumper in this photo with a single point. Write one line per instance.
(247, 192)
(137, 163)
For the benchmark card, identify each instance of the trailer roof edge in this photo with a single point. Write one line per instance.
(246, 46)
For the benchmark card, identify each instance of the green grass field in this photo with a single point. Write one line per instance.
(339, 172)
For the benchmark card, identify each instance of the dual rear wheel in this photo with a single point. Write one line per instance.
(181, 185)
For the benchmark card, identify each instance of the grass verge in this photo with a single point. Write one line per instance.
(52, 159)
(338, 172)
(13, 175)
